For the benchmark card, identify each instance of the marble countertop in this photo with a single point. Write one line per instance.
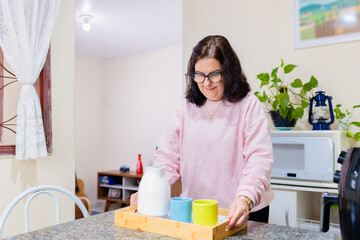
(101, 226)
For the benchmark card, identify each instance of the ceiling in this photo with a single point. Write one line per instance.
(125, 28)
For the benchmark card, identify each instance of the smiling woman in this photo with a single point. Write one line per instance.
(213, 87)
(9, 91)
(218, 140)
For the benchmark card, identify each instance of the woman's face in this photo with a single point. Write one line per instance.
(212, 91)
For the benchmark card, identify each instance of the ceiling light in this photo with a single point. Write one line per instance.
(86, 22)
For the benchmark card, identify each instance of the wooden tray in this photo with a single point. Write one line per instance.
(126, 217)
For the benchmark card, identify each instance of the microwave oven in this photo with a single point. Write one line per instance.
(305, 155)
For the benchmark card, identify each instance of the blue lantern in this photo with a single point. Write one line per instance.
(321, 116)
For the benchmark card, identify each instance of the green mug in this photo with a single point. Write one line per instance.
(205, 212)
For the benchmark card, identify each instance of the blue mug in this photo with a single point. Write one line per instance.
(181, 209)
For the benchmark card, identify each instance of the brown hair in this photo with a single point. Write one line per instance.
(236, 86)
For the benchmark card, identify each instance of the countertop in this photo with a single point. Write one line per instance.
(101, 226)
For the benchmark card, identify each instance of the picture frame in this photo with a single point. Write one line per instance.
(114, 192)
(321, 22)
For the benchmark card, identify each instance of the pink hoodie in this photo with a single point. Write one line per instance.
(219, 158)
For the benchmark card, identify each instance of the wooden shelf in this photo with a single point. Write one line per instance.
(120, 186)
(126, 182)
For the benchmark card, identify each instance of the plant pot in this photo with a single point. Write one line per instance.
(280, 122)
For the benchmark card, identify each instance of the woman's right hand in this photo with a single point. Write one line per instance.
(134, 199)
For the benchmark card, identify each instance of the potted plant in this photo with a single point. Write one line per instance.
(285, 102)
(345, 122)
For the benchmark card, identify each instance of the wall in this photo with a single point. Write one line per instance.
(121, 109)
(58, 169)
(261, 32)
(89, 114)
(139, 97)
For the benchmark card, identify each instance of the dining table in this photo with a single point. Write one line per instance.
(101, 226)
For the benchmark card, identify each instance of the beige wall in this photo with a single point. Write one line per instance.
(58, 169)
(261, 33)
(139, 97)
(89, 84)
(121, 109)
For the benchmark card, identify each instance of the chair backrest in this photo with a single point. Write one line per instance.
(42, 189)
(87, 204)
(80, 190)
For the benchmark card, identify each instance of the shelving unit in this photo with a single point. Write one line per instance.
(126, 182)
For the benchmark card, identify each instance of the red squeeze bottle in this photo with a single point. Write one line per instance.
(139, 167)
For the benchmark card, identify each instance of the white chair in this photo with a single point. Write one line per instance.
(42, 189)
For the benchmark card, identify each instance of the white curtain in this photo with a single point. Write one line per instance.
(26, 27)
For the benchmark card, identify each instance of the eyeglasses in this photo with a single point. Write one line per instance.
(214, 76)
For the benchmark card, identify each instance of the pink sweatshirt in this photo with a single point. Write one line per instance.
(219, 158)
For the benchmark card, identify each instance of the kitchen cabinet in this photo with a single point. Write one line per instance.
(282, 208)
(299, 206)
(116, 187)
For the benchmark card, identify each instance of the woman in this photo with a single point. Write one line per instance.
(218, 139)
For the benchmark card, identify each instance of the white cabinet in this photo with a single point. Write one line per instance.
(283, 208)
(298, 206)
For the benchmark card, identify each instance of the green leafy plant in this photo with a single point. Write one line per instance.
(291, 99)
(344, 119)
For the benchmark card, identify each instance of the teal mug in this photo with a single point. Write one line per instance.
(181, 209)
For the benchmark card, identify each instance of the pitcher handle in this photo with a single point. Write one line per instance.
(326, 201)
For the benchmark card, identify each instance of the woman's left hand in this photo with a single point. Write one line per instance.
(238, 213)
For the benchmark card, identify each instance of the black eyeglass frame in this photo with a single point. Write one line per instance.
(192, 75)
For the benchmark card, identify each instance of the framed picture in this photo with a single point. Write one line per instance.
(114, 192)
(320, 22)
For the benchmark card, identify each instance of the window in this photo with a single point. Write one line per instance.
(8, 123)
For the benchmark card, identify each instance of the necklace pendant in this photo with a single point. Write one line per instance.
(211, 115)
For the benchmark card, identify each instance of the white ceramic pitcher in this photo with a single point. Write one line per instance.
(154, 192)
